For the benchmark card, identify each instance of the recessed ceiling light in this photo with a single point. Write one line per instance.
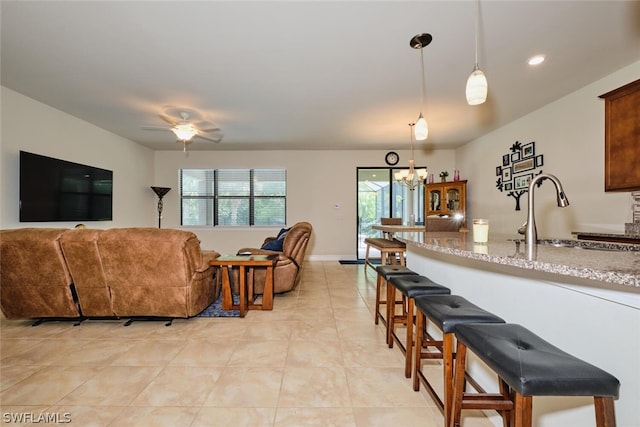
(536, 60)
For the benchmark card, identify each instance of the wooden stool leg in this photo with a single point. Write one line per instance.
(523, 410)
(379, 300)
(447, 361)
(605, 414)
(409, 342)
(391, 313)
(417, 355)
(458, 385)
(507, 395)
(366, 258)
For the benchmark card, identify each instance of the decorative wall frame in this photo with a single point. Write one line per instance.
(518, 169)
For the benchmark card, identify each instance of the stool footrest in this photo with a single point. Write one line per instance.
(494, 401)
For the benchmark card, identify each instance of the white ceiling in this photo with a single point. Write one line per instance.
(307, 75)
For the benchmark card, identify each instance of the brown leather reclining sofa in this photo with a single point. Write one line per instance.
(126, 272)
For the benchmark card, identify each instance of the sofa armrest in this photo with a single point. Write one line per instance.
(207, 256)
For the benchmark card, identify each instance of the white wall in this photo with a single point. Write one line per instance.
(31, 126)
(570, 134)
(316, 182)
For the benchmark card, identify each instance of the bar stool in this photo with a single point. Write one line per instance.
(411, 287)
(446, 312)
(391, 251)
(384, 274)
(527, 366)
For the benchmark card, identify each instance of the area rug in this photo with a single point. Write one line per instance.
(215, 309)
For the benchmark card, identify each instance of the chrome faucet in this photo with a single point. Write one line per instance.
(529, 227)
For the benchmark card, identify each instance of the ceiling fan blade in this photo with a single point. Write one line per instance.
(167, 119)
(155, 128)
(215, 139)
(209, 130)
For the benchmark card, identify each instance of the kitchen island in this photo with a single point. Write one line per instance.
(585, 301)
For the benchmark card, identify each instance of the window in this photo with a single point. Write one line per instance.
(233, 197)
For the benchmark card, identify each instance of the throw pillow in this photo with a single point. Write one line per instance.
(273, 245)
(276, 244)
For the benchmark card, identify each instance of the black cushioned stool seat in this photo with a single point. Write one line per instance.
(384, 274)
(446, 312)
(411, 287)
(529, 366)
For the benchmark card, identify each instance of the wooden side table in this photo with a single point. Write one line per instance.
(244, 262)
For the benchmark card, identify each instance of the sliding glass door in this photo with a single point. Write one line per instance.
(380, 196)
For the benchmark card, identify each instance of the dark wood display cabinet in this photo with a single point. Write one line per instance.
(447, 201)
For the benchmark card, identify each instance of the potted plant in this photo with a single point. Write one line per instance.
(444, 175)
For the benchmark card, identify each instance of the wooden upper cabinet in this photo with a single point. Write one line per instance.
(622, 138)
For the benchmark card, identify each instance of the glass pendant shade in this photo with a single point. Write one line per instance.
(421, 130)
(477, 87)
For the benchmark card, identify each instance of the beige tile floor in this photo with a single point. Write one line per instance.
(317, 359)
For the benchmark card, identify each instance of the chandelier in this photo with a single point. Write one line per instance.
(412, 177)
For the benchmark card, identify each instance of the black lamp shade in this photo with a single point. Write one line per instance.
(160, 191)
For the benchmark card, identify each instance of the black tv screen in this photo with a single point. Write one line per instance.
(57, 190)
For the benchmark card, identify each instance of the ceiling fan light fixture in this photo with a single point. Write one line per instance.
(184, 131)
(477, 87)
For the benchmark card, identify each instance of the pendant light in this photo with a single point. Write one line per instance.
(421, 129)
(477, 85)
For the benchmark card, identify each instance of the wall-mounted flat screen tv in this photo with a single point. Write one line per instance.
(58, 190)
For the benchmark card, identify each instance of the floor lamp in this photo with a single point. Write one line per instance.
(160, 192)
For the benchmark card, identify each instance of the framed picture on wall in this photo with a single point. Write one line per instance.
(506, 174)
(522, 182)
(515, 156)
(524, 165)
(505, 160)
(528, 150)
(539, 161)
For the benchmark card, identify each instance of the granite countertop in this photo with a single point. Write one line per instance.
(616, 263)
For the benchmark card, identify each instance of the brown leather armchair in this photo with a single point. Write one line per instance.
(290, 259)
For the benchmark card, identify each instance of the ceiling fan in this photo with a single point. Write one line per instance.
(186, 130)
